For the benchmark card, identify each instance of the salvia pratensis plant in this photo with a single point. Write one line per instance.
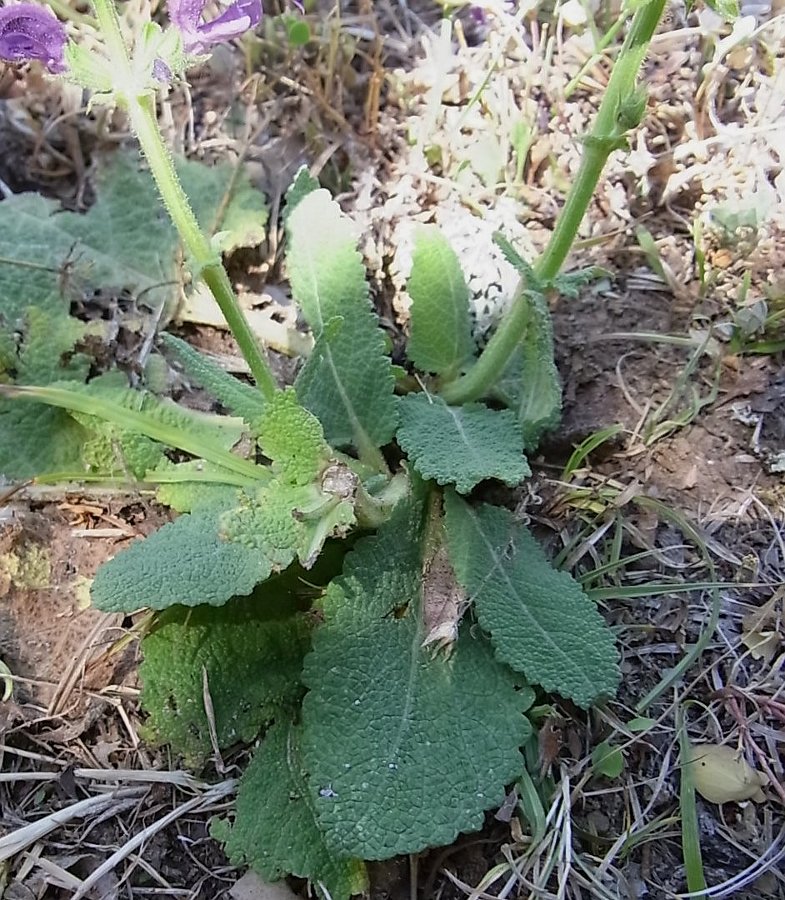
(380, 634)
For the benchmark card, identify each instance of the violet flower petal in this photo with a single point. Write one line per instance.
(28, 31)
(199, 36)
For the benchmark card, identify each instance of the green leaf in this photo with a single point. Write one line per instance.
(461, 444)
(118, 243)
(125, 241)
(640, 723)
(524, 269)
(531, 386)
(35, 439)
(303, 184)
(186, 562)
(607, 760)
(247, 654)
(402, 746)
(347, 382)
(293, 439)
(298, 32)
(540, 621)
(728, 9)
(159, 420)
(193, 485)
(286, 520)
(225, 203)
(275, 831)
(238, 397)
(441, 337)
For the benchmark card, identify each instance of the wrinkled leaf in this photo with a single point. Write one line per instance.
(186, 562)
(275, 831)
(540, 620)
(237, 396)
(243, 660)
(441, 338)
(402, 746)
(461, 445)
(347, 382)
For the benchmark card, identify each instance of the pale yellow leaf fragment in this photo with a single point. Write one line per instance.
(763, 628)
(722, 775)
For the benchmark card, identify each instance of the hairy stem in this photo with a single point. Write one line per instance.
(205, 260)
(605, 137)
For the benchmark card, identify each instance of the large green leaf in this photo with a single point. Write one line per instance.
(245, 657)
(347, 381)
(404, 747)
(125, 241)
(186, 562)
(461, 444)
(441, 338)
(275, 830)
(540, 620)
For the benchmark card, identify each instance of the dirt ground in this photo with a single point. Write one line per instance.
(409, 121)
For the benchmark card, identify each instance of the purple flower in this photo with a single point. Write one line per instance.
(29, 32)
(199, 36)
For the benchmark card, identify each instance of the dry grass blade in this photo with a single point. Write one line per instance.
(18, 840)
(204, 801)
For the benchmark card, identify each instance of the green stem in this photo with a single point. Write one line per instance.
(604, 139)
(110, 28)
(206, 262)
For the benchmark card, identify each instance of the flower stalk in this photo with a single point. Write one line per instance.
(205, 260)
(621, 109)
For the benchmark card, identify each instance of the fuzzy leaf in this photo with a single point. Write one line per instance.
(119, 243)
(193, 485)
(347, 382)
(293, 439)
(461, 444)
(275, 831)
(540, 620)
(285, 520)
(145, 414)
(186, 562)
(441, 338)
(237, 396)
(531, 386)
(303, 184)
(125, 241)
(402, 746)
(250, 654)
(225, 203)
(36, 439)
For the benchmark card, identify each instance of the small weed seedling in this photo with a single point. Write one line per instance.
(332, 590)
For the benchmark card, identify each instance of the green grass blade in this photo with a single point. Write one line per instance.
(690, 829)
